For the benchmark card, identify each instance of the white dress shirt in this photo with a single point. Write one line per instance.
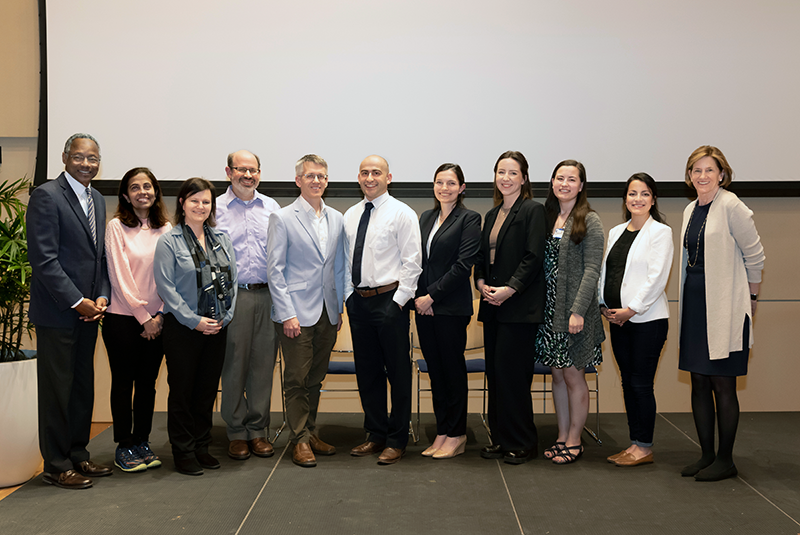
(392, 247)
(318, 223)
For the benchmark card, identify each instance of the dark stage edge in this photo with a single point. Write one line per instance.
(467, 495)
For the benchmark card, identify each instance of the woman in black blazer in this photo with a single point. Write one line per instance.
(450, 240)
(509, 276)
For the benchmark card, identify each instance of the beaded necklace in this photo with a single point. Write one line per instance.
(686, 237)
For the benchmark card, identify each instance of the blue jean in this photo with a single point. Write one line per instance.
(637, 349)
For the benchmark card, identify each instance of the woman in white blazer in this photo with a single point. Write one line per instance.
(632, 280)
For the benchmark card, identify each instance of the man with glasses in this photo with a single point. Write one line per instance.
(306, 278)
(69, 293)
(244, 213)
(383, 252)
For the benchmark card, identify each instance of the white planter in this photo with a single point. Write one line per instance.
(19, 422)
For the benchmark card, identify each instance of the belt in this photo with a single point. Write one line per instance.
(253, 286)
(372, 292)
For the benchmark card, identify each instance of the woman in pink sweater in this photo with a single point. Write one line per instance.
(132, 323)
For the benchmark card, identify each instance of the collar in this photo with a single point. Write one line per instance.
(378, 201)
(77, 187)
(229, 197)
(310, 209)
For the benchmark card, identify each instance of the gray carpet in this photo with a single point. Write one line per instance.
(348, 495)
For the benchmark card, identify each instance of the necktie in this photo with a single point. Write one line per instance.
(358, 251)
(90, 215)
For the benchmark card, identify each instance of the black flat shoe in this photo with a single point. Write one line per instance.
(206, 460)
(495, 451)
(519, 456)
(713, 474)
(189, 467)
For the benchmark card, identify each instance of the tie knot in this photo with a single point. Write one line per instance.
(368, 207)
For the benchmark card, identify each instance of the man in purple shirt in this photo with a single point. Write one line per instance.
(244, 213)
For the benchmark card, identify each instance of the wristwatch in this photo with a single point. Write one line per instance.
(754, 297)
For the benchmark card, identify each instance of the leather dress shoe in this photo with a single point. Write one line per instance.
(260, 447)
(188, 466)
(67, 480)
(89, 468)
(613, 458)
(391, 455)
(630, 460)
(239, 450)
(367, 448)
(303, 456)
(319, 447)
(206, 460)
(519, 456)
(495, 451)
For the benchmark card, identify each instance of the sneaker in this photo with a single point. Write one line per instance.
(149, 458)
(128, 460)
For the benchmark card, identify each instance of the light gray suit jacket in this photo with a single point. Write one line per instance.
(300, 278)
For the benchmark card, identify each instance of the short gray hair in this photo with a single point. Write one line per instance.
(309, 158)
(230, 158)
(73, 137)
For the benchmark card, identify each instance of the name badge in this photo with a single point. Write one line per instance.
(558, 233)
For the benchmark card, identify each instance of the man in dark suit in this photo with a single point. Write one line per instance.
(69, 289)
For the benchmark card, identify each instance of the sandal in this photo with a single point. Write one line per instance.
(554, 450)
(567, 455)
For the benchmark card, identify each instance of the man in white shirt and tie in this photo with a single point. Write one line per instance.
(305, 268)
(383, 259)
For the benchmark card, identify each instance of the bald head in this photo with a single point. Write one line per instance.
(374, 176)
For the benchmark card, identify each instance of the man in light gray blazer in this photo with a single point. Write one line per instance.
(305, 267)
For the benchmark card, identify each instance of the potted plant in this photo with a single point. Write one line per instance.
(19, 439)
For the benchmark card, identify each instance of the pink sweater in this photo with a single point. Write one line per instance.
(129, 253)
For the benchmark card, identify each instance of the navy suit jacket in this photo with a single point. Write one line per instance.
(66, 264)
(454, 249)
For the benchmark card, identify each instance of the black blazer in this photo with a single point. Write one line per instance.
(518, 263)
(66, 264)
(454, 249)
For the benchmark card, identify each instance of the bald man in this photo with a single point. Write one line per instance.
(383, 260)
(244, 213)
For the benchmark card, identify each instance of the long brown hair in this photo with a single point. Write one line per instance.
(526, 192)
(158, 212)
(579, 211)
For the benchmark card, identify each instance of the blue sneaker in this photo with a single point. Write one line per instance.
(149, 458)
(129, 460)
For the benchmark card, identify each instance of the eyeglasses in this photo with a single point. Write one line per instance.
(311, 176)
(78, 159)
(245, 170)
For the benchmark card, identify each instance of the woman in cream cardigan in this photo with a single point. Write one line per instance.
(719, 238)
(632, 281)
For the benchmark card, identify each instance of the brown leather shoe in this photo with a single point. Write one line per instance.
(367, 448)
(238, 450)
(261, 447)
(319, 447)
(391, 455)
(303, 456)
(89, 468)
(630, 460)
(67, 480)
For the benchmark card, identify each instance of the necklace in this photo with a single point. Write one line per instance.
(686, 237)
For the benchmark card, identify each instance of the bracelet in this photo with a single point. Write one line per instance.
(754, 297)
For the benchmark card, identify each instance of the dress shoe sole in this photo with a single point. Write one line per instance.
(263, 455)
(51, 481)
(239, 457)
(210, 466)
(366, 453)
(487, 455)
(324, 452)
(517, 460)
(189, 472)
(637, 462)
(387, 462)
(305, 464)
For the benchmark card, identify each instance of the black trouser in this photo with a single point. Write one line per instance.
(443, 340)
(637, 349)
(65, 371)
(194, 363)
(381, 350)
(134, 361)
(509, 374)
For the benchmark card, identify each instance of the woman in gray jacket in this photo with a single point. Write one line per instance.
(569, 338)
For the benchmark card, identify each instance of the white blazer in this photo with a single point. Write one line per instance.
(646, 271)
(300, 279)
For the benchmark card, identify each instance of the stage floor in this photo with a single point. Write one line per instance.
(466, 495)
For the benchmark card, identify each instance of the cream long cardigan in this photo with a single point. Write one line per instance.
(733, 258)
